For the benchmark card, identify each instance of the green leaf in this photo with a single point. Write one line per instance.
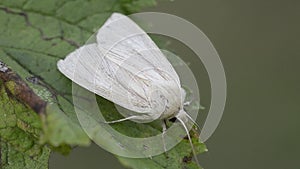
(34, 36)
(12, 158)
(20, 128)
(178, 157)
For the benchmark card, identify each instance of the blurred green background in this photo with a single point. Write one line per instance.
(258, 43)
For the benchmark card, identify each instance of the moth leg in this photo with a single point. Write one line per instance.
(120, 120)
(164, 127)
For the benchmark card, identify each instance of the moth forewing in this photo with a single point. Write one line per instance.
(121, 35)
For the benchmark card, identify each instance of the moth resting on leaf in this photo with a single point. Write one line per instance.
(126, 67)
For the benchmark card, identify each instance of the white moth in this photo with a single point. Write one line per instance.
(126, 67)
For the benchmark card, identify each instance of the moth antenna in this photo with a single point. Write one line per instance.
(188, 134)
(194, 122)
(183, 95)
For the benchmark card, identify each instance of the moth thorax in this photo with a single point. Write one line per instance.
(165, 99)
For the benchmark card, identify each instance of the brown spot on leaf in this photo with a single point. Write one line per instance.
(186, 159)
(17, 88)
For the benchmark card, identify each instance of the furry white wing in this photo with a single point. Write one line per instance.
(124, 39)
(86, 67)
